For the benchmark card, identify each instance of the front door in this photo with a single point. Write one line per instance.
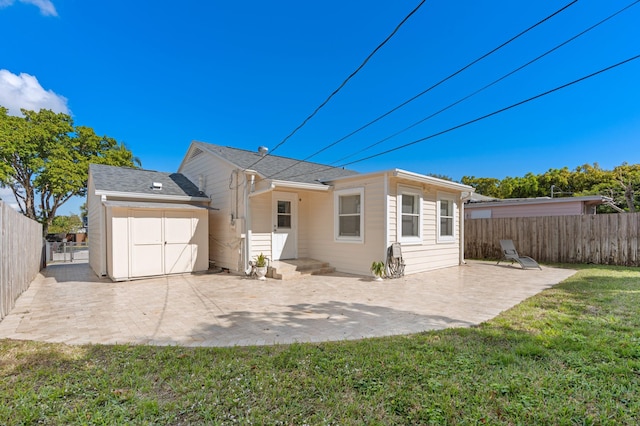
(284, 240)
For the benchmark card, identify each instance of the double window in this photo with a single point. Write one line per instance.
(446, 218)
(409, 214)
(349, 218)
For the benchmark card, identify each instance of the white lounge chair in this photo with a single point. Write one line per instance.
(509, 252)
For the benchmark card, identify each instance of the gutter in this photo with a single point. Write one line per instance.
(157, 197)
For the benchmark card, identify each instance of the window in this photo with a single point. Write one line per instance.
(284, 214)
(446, 219)
(349, 220)
(409, 214)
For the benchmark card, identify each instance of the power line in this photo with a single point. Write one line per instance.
(406, 18)
(433, 86)
(494, 113)
(488, 85)
(476, 119)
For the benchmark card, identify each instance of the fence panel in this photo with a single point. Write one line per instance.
(609, 239)
(20, 255)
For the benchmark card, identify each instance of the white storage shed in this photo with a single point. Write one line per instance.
(144, 223)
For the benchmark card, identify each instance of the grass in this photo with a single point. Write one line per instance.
(570, 355)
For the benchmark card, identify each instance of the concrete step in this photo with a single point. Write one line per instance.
(296, 268)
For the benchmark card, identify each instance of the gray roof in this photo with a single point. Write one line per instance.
(140, 181)
(276, 167)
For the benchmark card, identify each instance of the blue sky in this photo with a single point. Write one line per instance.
(157, 75)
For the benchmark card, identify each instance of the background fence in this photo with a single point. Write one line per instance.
(20, 255)
(608, 239)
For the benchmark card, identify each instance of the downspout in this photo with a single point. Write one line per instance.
(248, 186)
(463, 198)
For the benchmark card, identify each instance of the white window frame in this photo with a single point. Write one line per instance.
(336, 215)
(446, 238)
(417, 192)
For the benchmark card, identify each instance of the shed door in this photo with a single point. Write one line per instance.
(178, 233)
(147, 251)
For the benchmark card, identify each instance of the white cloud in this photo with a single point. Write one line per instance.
(7, 196)
(24, 91)
(46, 6)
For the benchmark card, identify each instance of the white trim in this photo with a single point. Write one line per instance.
(417, 192)
(336, 206)
(141, 196)
(416, 177)
(446, 238)
(300, 185)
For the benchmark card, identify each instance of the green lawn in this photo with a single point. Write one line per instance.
(570, 355)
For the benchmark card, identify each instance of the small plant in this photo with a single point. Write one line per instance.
(377, 269)
(261, 260)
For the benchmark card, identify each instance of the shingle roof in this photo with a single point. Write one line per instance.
(139, 181)
(276, 167)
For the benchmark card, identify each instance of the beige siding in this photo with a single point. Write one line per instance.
(118, 244)
(96, 231)
(392, 229)
(347, 256)
(261, 225)
(225, 239)
(305, 224)
(429, 254)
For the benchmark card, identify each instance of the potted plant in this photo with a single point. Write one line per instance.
(261, 266)
(378, 270)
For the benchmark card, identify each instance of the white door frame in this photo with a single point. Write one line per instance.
(284, 241)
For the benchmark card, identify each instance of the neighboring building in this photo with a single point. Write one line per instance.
(289, 209)
(144, 223)
(481, 207)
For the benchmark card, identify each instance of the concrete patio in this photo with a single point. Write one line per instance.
(68, 303)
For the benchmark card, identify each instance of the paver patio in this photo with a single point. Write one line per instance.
(68, 303)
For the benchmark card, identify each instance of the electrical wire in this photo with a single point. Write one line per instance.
(494, 113)
(476, 119)
(475, 61)
(488, 85)
(319, 107)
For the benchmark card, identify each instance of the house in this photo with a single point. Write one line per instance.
(290, 209)
(481, 207)
(144, 223)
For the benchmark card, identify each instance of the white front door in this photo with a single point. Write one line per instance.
(284, 240)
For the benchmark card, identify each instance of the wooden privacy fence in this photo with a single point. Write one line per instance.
(606, 239)
(20, 255)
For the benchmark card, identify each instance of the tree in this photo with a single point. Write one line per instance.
(628, 177)
(65, 224)
(45, 160)
(484, 186)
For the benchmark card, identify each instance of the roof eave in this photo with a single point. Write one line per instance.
(299, 185)
(143, 196)
(404, 174)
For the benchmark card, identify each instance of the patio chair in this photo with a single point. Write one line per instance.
(509, 252)
(395, 263)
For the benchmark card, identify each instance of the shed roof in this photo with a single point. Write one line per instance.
(276, 167)
(140, 181)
